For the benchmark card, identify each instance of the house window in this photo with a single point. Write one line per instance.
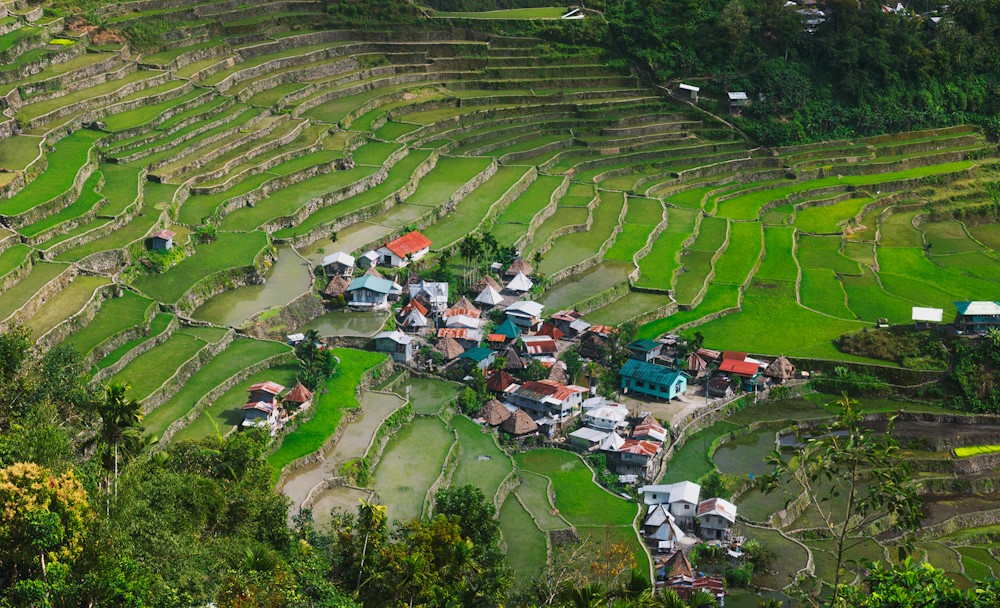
(687, 507)
(654, 496)
(640, 383)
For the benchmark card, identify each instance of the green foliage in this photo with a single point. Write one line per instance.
(318, 365)
(912, 585)
(904, 345)
(845, 379)
(973, 373)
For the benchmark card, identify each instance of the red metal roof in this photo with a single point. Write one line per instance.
(459, 333)
(408, 243)
(550, 330)
(164, 234)
(640, 447)
(739, 367)
(469, 312)
(299, 394)
(541, 347)
(567, 315)
(268, 387)
(415, 304)
(496, 338)
(259, 405)
(499, 381)
(733, 355)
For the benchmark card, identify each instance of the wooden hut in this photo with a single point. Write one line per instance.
(494, 413)
(518, 266)
(519, 424)
(450, 348)
(336, 287)
(780, 369)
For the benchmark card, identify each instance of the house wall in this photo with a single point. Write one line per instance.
(679, 387)
(367, 296)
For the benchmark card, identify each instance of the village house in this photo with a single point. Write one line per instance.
(336, 286)
(338, 264)
(399, 345)
(977, 317)
(545, 397)
(513, 360)
(525, 314)
(675, 573)
(926, 318)
(479, 356)
(721, 386)
(660, 529)
(500, 383)
(592, 346)
(653, 380)
(489, 297)
(696, 365)
(262, 407)
(740, 365)
(681, 499)
(540, 347)
(435, 293)
(587, 438)
(398, 252)
(780, 370)
(367, 260)
(636, 457)
(570, 322)
(162, 240)
(716, 518)
(644, 350)
(449, 348)
(467, 338)
(737, 101)
(606, 417)
(371, 293)
(650, 430)
(462, 314)
(689, 91)
(414, 315)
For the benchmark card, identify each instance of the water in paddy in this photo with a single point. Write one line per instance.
(346, 323)
(592, 281)
(746, 454)
(427, 395)
(349, 239)
(342, 498)
(286, 280)
(353, 443)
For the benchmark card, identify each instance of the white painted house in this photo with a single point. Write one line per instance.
(716, 518)
(606, 417)
(397, 252)
(660, 529)
(525, 314)
(338, 264)
(681, 499)
(436, 294)
(397, 344)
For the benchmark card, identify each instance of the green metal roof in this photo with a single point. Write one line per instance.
(477, 354)
(645, 345)
(649, 372)
(508, 328)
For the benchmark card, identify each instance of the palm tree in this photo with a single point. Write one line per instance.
(636, 590)
(372, 516)
(591, 596)
(668, 598)
(120, 418)
(701, 599)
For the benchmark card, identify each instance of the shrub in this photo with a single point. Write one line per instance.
(904, 345)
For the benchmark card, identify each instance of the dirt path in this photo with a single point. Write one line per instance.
(375, 407)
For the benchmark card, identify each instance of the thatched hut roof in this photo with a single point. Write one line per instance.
(494, 413)
(299, 394)
(519, 266)
(557, 373)
(519, 423)
(373, 272)
(337, 286)
(780, 369)
(514, 362)
(450, 348)
(593, 346)
(483, 283)
(499, 381)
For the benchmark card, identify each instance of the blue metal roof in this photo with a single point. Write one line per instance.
(373, 283)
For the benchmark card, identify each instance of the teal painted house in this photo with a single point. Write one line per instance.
(653, 380)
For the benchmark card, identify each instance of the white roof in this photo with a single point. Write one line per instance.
(658, 515)
(927, 314)
(525, 308)
(722, 507)
(689, 87)
(983, 308)
(520, 283)
(608, 412)
(612, 443)
(579, 326)
(296, 337)
(589, 434)
(461, 321)
(396, 336)
(682, 491)
(370, 255)
(436, 292)
(735, 95)
(339, 258)
(415, 319)
(489, 296)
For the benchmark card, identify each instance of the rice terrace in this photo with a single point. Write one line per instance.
(297, 292)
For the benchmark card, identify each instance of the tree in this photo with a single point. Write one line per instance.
(120, 431)
(573, 364)
(371, 517)
(910, 585)
(850, 458)
(317, 365)
(44, 520)
(613, 558)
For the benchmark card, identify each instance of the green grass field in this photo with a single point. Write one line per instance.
(69, 155)
(473, 208)
(483, 463)
(526, 547)
(69, 302)
(152, 368)
(115, 316)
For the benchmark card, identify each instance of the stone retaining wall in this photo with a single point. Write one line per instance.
(544, 213)
(598, 257)
(78, 320)
(250, 134)
(111, 343)
(499, 206)
(275, 323)
(167, 114)
(447, 470)
(599, 300)
(34, 67)
(251, 198)
(70, 224)
(44, 209)
(106, 373)
(187, 369)
(268, 146)
(366, 212)
(39, 298)
(227, 279)
(18, 273)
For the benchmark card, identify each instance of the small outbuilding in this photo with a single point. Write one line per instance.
(494, 413)
(162, 240)
(690, 91)
(449, 348)
(337, 286)
(926, 317)
(780, 369)
(518, 267)
(298, 397)
(737, 101)
(500, 382)
(338, 264)
(479, 356)
(489, 297)
(587, 438)
(367, 260)
(644, 350)
(520, 283)
(397, 344)
(519, 424)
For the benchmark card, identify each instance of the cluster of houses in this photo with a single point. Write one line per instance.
(676, 518)
(371, 290)
(267, 408)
